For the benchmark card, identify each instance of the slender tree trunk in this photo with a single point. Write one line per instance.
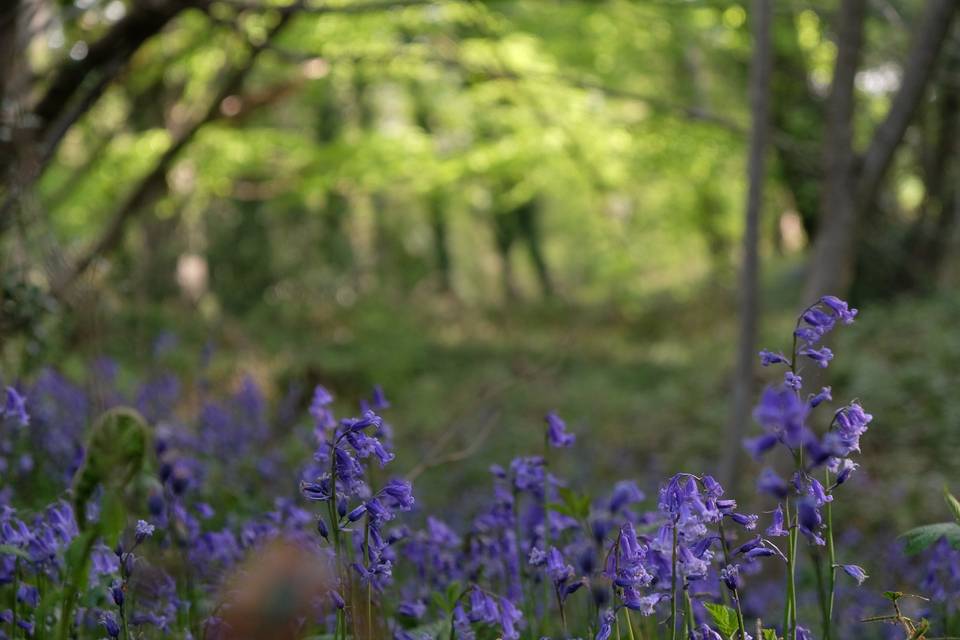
(849, 192)
(528, 221)
(831, 268)
(437, 202)
(760, 72)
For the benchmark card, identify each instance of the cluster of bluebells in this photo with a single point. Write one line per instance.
(786, 415)
(534, 557)
(339, 478)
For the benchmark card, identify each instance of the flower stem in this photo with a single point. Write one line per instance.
(673, 587)
(832, 569)
(688, 613)
(626, 612)
(788, 605)
(366, 544)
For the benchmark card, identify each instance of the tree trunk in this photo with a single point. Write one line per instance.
(849, 194)
(760, 72)
(437, 202)
(528, 221)
(831, 267)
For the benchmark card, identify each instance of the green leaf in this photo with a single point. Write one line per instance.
(893, 596)
(770, 634)
(953, 503)
(575, 505)
(77, 551)
(916, 540)
(724, 618)
(116, 451)
(10, 550)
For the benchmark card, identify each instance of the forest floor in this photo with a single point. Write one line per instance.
(646, 390)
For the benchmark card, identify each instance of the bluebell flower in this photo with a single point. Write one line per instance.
(704, 632)
(730, 576)
(810, 521)
(607, 619)
(795, 382)
(776, 528)
(840, 308)
(804, 634)
(144, 530)
(855, 572)
(110, 625)
(821, 356)
(557, 435)
(850, 423)
(15, 407)
(819, 398)
(771, 483)
(768, 358)
(412, 609)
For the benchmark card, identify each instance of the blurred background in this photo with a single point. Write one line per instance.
(495, 209)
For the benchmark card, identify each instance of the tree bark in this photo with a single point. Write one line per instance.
(831, 265)
(849, 193)
(928, 40)
(145, 19)
(760, 72)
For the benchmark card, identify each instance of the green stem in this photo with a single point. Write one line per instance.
(736, 594)
(832, 556)
(673, 587)
(366, 545)
(71, 589)
(546, 518)
(787, 607)
(626, 612)
(821, 591)
(13, 604)
(688, 612)
(563, 614)
(123, 623)
(527, 609)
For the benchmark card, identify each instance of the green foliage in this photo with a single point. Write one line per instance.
(920, 538)
(574, 505)
(116, 451)
(724, 618)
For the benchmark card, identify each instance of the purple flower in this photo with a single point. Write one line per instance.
(776, 528)
(821, 356)
(15, 407)
(557, 568)
(810, 521)
(840, 308)
(110, 625)
(768, 358)
(855, 572)
(782, 414)
(607, 619)
(790, 379)
(144, 530)
(557, 435)
(771, 483)
(850, 423)
(823, 396)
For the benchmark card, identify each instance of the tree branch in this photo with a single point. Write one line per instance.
(927, 43)
(145, 20)
(153, 182)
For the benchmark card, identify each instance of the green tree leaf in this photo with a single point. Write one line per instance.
(724, 618)
(916, 540)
